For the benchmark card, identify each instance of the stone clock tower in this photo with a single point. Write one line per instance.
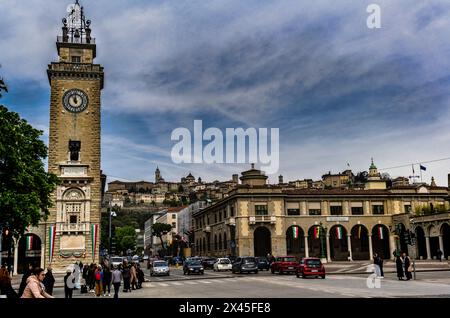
(73, 227)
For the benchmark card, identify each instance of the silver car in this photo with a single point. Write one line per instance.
(159, 268)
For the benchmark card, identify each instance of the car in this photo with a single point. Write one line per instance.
(193, 266)
(222, 264)
(209, 262)
(245, 264)
(145, 258)
(159, 268)
(311, 266)
(116, 260)
(284, 264)
(177, 260)
(263, 263)
(150, 261)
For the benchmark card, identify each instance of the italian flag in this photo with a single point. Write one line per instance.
(51, 240)
(94, 231)
(316, 232)
(339, 232)
(29, 242)
(295, 231)
(380, 232)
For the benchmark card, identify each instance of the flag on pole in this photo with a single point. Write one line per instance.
(423, 168)
(51, 240)
(94, 230)
(339, 232)
(380, 232)
(316, 232)
(295, 231)
(29, 242)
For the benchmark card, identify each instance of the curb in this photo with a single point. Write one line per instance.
(389, 272)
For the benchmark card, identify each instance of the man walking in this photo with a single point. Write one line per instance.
(116, 278)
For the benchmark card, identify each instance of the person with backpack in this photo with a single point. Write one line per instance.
(98, 276)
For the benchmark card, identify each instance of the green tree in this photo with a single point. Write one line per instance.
(160, 229)
(25, 186)
(125, 238)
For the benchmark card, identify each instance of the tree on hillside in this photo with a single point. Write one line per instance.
(160, 229)
(25, 186)
(126, 238)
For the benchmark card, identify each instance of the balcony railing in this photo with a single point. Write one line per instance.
(262, 219)
(73, 227)
(76, 67)
(74, 40)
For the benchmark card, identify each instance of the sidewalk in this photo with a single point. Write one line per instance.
(360, 267)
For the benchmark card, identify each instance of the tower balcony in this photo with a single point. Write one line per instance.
(75, 40)
(262, 219)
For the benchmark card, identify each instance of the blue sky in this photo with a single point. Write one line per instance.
(339, 92)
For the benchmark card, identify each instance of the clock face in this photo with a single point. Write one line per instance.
(75, 100)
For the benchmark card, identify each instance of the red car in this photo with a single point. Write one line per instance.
(284, 264)
(311, 266)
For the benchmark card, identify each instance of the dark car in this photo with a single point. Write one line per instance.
(193, 266)
(209, 262)
(263, 263)
(245, 265)
(311, 266)
(284, 264)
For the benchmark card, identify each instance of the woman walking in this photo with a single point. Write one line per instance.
(399, 266)
(34, 288)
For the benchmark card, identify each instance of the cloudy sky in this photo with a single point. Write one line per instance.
(339, 92)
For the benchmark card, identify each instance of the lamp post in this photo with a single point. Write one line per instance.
(111, 214)
(413, 243)
(322, 237)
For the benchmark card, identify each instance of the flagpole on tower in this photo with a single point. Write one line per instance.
(420, 165)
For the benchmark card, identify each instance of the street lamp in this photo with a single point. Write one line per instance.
(111, 214)
(322, 237)
(413, 243)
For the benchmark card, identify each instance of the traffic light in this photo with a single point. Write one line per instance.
(407, 237)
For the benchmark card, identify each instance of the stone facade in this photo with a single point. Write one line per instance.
(77, 199)
(365, 219)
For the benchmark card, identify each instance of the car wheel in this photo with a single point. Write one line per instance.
(323, 276)
(303, 276)
(256, 272)
(298, 276)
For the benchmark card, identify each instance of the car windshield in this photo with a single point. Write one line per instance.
(313, 262)
(159, 264)
(286, 259)
(195, 263)
(249, 260)
(224, 261)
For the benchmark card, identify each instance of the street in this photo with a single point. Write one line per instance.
(267, 285)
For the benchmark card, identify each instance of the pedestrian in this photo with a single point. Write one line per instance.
(116, 279)
(5, 284)
(98, 281)
(133, 276)
(407, 266)
(399, 266)
(439, 255)
(126, 278)
(91, 278)
(49, 281)
(378, 261)
(106, 281)
(140, 276)
(35, 288)
(69, 283)
(25, 276)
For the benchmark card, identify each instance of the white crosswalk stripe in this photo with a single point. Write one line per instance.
(162, 284)
(191, 283)
(204, 281)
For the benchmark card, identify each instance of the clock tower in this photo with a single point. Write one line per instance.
(73, 226)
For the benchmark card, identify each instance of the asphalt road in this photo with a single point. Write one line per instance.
(267, 285)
